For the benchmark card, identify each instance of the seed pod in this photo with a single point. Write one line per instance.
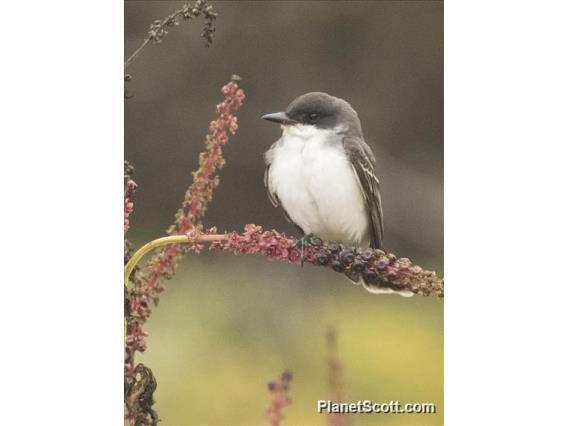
(322, 258)
(382, 263)
(392, 272)
(347, 257)
(337, 266)
(333, 247)
(367, 255)
(315, 241)
(358, 265)
(370, 277)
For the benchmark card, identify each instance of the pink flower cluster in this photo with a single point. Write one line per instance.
(147, 282)
(129, 190)
(272, 244)
(200, 193)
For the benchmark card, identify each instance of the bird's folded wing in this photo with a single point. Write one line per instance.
(363, 163)
(273, 197)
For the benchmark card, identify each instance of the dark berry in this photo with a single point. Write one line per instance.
(322, 258)
(337, 266)
(358, 266)
(371, 277)
(333, 247)
(347, 257)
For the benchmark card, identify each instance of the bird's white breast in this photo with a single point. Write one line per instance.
(316, 185)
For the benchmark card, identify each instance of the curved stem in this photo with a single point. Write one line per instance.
(136, 53)
(164, 241)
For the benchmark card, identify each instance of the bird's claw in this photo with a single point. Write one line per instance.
(302, 243)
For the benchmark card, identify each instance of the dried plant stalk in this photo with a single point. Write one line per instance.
(280, 392)
(383, 269)
(129, 190)
(335, 380)
(377, 267)
(199, 193)
(139, 390)
(158, 29)
(146, 284)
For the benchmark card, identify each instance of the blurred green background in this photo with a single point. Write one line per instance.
(226, 324)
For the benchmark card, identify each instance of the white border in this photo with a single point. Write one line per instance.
(61, 159)
(505, 238)
(61, 173)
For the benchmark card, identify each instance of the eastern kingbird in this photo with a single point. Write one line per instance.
(321, 174)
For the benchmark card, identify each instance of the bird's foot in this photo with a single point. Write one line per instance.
(308, 240)
(302, 244)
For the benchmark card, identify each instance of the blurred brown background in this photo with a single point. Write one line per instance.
(227, 324)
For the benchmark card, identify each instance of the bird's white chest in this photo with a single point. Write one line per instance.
(316, 185)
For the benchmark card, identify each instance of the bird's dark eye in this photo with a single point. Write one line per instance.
(313, 117)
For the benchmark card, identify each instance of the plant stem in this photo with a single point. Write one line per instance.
(164, 241)
(383, 270)
(136, 53)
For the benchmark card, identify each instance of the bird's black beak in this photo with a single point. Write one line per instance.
(279, 117)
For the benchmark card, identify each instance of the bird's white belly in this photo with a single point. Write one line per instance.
(316, 185)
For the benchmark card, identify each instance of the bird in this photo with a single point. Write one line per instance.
(321, 174)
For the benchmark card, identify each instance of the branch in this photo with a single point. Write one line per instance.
(158, 31)
(377, 267)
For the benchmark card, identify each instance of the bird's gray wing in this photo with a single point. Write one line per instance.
(273, 197)
(363, 162)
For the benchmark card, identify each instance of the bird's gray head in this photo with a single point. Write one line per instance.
(320, 110)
